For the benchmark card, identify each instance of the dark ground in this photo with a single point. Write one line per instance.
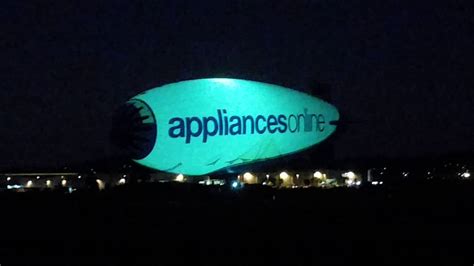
(163, 224)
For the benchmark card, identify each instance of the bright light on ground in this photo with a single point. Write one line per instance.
(318, 175)
(121, 181)
(235, 184)
(248, 177)
(100, 183)
(284, 175)
(180, 178)
(350, 175)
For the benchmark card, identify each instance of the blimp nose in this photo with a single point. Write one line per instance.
(134, 129)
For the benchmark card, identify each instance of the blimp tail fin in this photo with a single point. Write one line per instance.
(134, 129)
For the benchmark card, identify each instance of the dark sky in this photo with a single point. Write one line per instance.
(402, 71)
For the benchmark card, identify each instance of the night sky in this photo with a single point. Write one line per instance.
(400, 73)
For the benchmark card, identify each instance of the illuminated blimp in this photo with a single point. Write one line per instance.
(196, 127)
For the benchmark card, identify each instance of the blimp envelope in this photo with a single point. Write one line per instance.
(200, 126)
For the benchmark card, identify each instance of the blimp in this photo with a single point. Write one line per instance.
(197, 127)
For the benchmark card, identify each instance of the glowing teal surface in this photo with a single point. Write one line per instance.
(203, 98)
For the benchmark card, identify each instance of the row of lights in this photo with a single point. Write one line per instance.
(285, 176)
(38, 177)
(29, 184)
(317, 174)
(465, 174)
(121, 181)
(352, 178)
(49, 183)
